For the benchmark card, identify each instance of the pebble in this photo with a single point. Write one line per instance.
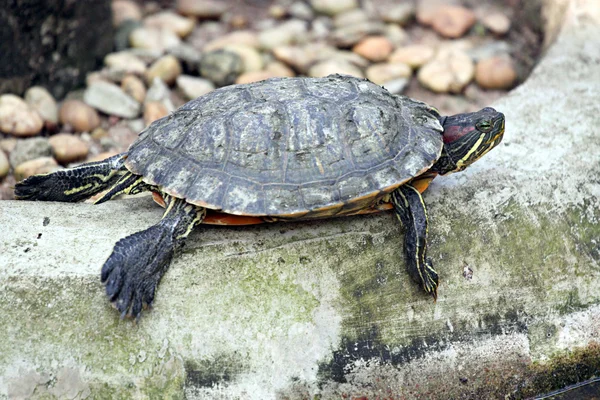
(122, 33)
(293, 31)
(246, 38)
(42, 165)
(252, 60)
(18, 118)
(78, 115)
(221, 67)
(427, 9)
(123, 10)
(154, 110)
(400, 14)
(125, 62)
(166, 68)
(300, 57)
(396, 35)
(29, 149)
(414, 55)
(277, 11)
(352, 34)
(8, 145)
(301, 10)
(333, 7)
(448, 73)
(280, 69)
(273, 70)
(68, 148)
(496, 73)
(329, 67)
(396, 86)
(385, 72)
(489, 49)
(193, 87)
(42, 101)
(4, 165)
(160, 92)
(202, 9)
(153, 39)
(351, 17)
(133, 86)
(374, 48)
(453, 21)
(110, 99)
(187, 55)
(171, 21)
(496, 22)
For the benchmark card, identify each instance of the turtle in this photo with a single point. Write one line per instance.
(281, 149)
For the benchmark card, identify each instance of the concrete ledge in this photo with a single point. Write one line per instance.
(325, 308)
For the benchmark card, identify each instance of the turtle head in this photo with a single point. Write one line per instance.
(467, 137)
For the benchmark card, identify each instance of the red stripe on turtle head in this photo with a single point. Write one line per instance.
(455, 132)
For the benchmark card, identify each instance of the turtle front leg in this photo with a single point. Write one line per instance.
(139, 261)
(410, 210)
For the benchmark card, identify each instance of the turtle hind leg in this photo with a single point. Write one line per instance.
(73, 184)
(138, 262)
(411, 211)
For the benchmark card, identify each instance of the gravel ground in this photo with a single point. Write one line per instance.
(456, 56)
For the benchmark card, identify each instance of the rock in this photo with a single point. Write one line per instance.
(396, 35)
(448, 73)
(385, 72)
(351, 17)
(134, 86)
(252, 60)
(168, 20)
(333, 7)
(102, 156)
(374, 48)
(153, 39)
(29, 149)
(301, 10)
(396, 86)
(246, 38)
(159, 92)
(201, 9)
(42, 101)
(277, 11)
(8, 145)
(325, 68)
(321, 28)
(293, 31)
(221, 67)
(78, 115)
(352, 34)
(193, 87)
(453, 21)
(279, 69)
(42, 165)
(496, 73)
(123, 10)
(400, 14)
(154, 110)
(68, 148)
(18, 118)
(110, 99)
(496, 22)
(414, 55)
(273, 70)
(489, 49)
(123, 32)
(426, 10)
(4, 165)
(124, 62)
(166, 68)
(187, 54)
(300, 57)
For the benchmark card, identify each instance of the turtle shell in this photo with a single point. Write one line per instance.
(289, 147)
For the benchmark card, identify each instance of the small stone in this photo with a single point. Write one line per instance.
(202, 9)
(251, 58)
(78, 115)
(278, 69)
(99, 133)
(448, 73)
(246, 38)
(382, 73)
(321, 28)
(123, 32)
(352, 34)
(396, 86)
(102, 156)
(490, 49)
(110, 99)
(160, 92)
(153, 39)
(287, 33)
(414, 55)
(42, 101)
(42, 165)
(301, 10)
(18, 118)
(29, 149)
(351, 17)
(496, 73)
(400, 14)
(325, 68)
(168, 20)
(299, 57)
(187, 54)
(193, 87)
(273, 70)
(374, 48)
(133, 86)
(453, 21)
(427, 9)
(333, 7)
(221, 67)
(8, 145)
(123, 10)
(154, 110)
(4, 165)
(125, 62)
(496, 22)
(396, 35)
(68, 148)
(166, 68)
(277, 11)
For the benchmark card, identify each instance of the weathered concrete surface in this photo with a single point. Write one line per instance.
(325, 308)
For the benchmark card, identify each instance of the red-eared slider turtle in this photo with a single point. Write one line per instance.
(280, 149)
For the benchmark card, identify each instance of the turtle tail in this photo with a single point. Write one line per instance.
(73, 184)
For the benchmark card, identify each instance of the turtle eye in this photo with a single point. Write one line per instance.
(484, 126)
